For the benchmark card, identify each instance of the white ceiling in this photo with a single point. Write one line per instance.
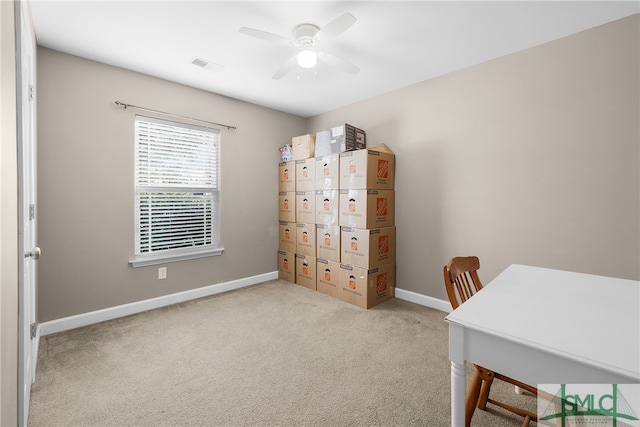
(394, 43)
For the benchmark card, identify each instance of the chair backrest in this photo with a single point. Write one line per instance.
(461, 279)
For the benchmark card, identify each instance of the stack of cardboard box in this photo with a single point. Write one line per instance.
(367, 226)
(302, 148)
(287, 218)
(337, 218)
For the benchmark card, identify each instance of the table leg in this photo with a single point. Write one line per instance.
(457, 394)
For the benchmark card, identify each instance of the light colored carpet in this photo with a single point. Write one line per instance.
(273, 354)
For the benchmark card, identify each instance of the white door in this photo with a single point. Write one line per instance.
(27, 225)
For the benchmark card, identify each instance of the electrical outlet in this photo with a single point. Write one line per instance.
(162, 273)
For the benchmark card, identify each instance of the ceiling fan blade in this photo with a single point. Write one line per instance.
(264, 35)
(288, 65)
(340, 63)
(335, 28)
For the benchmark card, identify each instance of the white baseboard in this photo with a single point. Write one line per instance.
(427, 301)
(79, 320)
(36, 352)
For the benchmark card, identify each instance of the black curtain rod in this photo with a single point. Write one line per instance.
(122, 104)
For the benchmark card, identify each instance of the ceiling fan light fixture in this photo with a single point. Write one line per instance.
(306, 38)
(307, 58)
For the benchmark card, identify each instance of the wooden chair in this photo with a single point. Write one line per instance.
(462, 282)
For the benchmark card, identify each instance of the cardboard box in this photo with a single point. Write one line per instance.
(348, 138)
(287, 176)
(324, 147)
(339, 139)
(326, 205)
(306, 206)
(288, 233)
(367, 208)
(287, 206)
(306, 271)
(368, 248)
(371, 169)
(287, 266)
(306, 175)
(306, 239)
(303, 146)
(328, 172)
(327, 277)
(328, 242)
(366, 288)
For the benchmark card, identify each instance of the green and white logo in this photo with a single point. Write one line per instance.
(576, 405)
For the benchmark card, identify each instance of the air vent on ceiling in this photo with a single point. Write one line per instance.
(199, 62)
(211, 66)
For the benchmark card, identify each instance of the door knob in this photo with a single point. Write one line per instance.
(35, 253)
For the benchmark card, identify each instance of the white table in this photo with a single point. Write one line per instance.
(544, 326)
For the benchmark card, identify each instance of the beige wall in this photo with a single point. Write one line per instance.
(531, 158)
(8, 221)
(85, 185)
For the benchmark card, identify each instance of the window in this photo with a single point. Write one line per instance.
(176, 191)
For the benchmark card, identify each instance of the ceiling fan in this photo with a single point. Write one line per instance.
(307, 38)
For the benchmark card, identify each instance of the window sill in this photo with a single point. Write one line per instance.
(146, 260)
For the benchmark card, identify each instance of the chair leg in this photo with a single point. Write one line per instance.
(479, 395)
(484, 395)
(487, 379)
(472, 398)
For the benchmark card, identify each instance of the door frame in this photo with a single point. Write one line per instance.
(25, 127)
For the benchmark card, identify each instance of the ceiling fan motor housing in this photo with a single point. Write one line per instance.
(304, 33)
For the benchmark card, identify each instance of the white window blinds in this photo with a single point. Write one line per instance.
(177, 197)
